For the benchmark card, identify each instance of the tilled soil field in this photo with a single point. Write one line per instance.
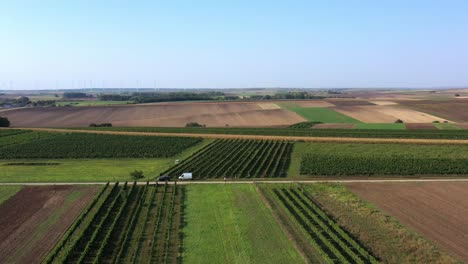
(437, 210)
(454, 110)
(418, 126)
(174, 115)
(33, 220)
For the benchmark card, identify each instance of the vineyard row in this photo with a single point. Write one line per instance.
(237, 159)
(332, 243)
(126, 224)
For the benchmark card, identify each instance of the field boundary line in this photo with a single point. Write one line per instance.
(263, 137)
(250, 182)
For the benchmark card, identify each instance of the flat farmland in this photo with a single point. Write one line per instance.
(165, 114)
(436, 210)
(231, 224)
(35, 218)
(455, 110)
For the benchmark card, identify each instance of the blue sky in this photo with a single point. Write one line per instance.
(215, 44)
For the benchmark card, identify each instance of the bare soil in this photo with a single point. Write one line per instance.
(455, 110)
(367, 114)
(438, 210)
(34, 220)
(333, 126)
(418, 126)
(174, 115)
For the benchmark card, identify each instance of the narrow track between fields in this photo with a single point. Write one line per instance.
(265, 137)
(250, 182)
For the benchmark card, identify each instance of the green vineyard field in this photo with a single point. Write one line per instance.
(126, 224)
(96, 146)
(237, 158)
(324, 236)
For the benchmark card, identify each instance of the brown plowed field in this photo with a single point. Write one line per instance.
(418, 126)
(463, 125)
(455, 110)
(437, 210)
(176, 114)
(367, 114)
(33, 221)
(334, 126)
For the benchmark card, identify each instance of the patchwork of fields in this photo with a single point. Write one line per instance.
(276, 222)
(169, 223)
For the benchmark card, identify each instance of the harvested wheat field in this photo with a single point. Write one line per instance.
(383, 102)
(33, 220)
(437, 210)
(367, 114)
(269, 106)
(174, 114)
(333, 126)
(350, 102)
(407, 115)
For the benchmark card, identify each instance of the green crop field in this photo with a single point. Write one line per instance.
(8, 191)
(237, 159)
(231, 224)
(97, 146)
(87, 170)
(332, 159)
(447, 126)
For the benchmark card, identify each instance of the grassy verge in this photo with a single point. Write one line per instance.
(8, 191)
(231, 224)
(447, 126)
(84, 170)
(384, 235)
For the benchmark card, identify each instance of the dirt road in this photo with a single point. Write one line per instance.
(264, 137)
(248, 181)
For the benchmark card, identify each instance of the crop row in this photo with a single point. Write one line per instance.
(9, 132)
(337, 165)
(301, 132)
(121, 226)
(97, 146)
(325, 236)
(23, 138)
(237, 158)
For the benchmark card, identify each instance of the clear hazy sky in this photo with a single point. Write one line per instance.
(239, 43)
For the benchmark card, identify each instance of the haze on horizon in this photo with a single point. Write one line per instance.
(213, 44)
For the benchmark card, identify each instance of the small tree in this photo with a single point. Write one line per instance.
(399, 121)
(137, 175)
(4, 122)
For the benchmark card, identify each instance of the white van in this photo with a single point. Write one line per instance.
(185, 176)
